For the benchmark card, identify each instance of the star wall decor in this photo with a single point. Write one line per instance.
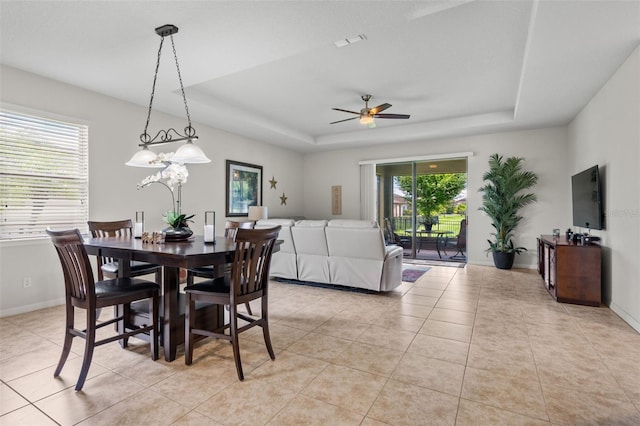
(273, 182)
(283, 200)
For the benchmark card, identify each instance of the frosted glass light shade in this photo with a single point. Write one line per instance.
(189, 154)
(258, 213)
(143, 158)
(366, 119)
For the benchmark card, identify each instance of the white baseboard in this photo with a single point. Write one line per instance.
(28, 308)
(489, 262)
(625, 316)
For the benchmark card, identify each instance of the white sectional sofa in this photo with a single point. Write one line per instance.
(343, 252)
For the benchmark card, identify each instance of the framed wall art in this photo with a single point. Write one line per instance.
(336, 199)
(243, 188)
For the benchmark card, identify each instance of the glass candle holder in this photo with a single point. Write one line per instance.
(210, 227)
(138, 226)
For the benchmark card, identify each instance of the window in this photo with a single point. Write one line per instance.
(43, 175)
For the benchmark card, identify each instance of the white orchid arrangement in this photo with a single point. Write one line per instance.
(174, 173)
(172, 176)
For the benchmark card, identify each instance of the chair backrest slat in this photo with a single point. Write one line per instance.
(78, 275)
(115, 228)
(252, 259)
(231, 227)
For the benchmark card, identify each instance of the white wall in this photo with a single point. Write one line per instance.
(114, 129)
(544, 151)
(607, 133)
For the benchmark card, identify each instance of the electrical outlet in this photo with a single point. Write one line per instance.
(26, 282)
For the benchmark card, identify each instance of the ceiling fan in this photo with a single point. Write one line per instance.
(367, 114)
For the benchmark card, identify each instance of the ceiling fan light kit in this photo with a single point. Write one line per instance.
(367, 115)
(367, 120)
(186, 154)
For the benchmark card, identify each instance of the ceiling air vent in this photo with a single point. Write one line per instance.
(349, 40)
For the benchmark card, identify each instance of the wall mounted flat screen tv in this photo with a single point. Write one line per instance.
(587, 199)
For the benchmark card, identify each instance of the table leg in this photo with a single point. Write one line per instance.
(170, 282)
(438, 236)
(124, 270)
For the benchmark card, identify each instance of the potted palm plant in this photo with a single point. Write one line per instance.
(502, 198)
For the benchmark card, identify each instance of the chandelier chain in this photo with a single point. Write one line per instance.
(184, 98)
(144, 137)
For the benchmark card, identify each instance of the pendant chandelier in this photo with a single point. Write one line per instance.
(187, 153)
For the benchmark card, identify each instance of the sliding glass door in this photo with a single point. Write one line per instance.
(422, 205)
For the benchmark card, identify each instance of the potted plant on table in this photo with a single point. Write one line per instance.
(502, 198)
(429, 221)
(178, 225)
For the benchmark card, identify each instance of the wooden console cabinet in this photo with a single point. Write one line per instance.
(571, 271)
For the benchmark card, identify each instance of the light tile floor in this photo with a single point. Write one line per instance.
(472, 346)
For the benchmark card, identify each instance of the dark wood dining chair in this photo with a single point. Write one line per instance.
(210, 272)
(249, 280)
(108, 267)
(81, 291)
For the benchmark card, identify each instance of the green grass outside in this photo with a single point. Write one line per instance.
(449, 222)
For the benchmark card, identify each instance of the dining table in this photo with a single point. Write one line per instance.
(172, 256)
(441, 237)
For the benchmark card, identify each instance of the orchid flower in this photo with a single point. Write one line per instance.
(172, 176)
(175, 173)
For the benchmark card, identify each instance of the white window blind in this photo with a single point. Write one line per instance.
(43, 175)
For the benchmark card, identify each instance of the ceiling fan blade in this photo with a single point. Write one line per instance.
(391, 115)
(346, 119)
(379, 108)
(345, 110)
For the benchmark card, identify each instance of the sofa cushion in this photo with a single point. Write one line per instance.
(356, 253)
(270, 223)
(312, 254)
(361, 243)
(285, 232)
(312, 223)
(348, 223)
(310, 240)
